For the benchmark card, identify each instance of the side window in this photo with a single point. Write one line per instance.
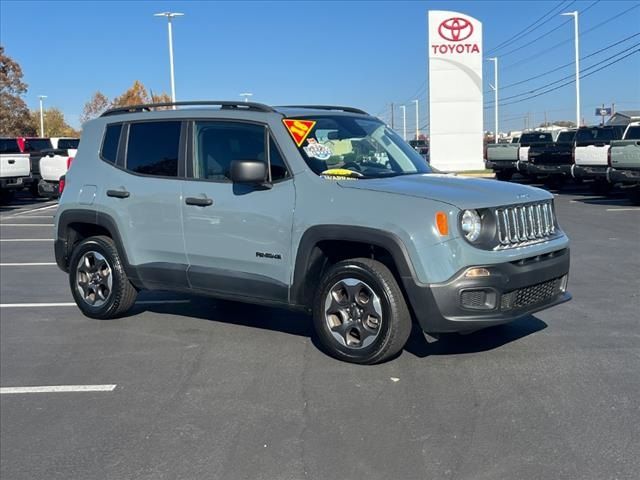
(109, 150)
(153, 148)
(217, 144)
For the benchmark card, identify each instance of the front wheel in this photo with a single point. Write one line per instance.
(99, 284)
(360, 314)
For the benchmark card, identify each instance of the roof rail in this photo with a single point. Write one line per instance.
(327, 107)
(227, 105)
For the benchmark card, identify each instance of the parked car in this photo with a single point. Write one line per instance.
(36, 147)
(14, 168)
(591, 155)
(421, 146)
(553, 160)
(624, 161)
(320, 209)
(529, 139)
(54, 165)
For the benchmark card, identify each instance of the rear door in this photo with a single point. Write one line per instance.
(143, 192)
(237, 237)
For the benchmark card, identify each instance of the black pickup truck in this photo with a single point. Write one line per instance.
(553, 160)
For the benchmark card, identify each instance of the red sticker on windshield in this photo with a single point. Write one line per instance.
(299, 129)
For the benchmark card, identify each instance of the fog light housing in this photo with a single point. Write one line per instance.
(478, 299)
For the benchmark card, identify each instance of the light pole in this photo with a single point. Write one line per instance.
(577, 48)
(41, 97)
(417, 120)
(170, 16)
(495, 95)
(404, 122)
(246, 96)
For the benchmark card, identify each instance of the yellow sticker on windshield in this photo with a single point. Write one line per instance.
(340, 174)
(299, 129)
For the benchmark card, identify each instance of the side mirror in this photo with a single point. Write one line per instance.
(248, 171)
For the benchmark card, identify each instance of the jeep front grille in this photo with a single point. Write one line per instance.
(525, 224)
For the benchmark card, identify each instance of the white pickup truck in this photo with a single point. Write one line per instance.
(15, 169)
(591, 154)
(55, 163)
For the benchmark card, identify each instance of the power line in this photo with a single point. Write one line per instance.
(529, 29)
(568, 76)
(567, 64)
(529, 58)
(567, 83)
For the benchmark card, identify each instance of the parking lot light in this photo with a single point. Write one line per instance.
(577, 61)
(41, 97)
(170, 16)
(495, 95)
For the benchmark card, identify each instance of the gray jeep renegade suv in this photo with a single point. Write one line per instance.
(318, 208)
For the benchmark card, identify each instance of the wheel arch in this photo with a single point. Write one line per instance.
(321, 246)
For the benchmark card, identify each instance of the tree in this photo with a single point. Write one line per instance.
(135, 95)
(14, 114)
(54, 123)
(94, 107)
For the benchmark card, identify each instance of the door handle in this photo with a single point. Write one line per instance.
(118, 193)
(199, 202)
(12, 161)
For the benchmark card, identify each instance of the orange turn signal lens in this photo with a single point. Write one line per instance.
(442, 222)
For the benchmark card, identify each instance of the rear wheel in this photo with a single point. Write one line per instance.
(360, 314)
(634, 195)
(98, 281)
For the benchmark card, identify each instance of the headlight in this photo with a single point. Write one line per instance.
(471, 225)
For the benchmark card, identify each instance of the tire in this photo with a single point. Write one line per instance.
(359, 312)
(503, 175)
(601, 187)
(33, 190)
(6, 196)
(634, 195)
(100, 292)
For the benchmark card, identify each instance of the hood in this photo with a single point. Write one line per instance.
(461, 192)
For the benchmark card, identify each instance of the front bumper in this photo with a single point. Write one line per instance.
(499, 165)
(594, 172)
(549, 169)
(511, 291)
(625, 176)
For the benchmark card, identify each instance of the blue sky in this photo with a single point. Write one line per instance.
(363, 53)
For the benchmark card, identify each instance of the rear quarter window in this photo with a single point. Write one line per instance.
(109, 151)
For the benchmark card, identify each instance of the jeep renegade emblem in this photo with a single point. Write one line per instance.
(299, 129)
(455, 29)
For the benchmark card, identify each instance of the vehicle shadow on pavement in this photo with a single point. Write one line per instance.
(234, 313)
(480, 341)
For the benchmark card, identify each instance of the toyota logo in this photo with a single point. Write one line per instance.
(455, 29)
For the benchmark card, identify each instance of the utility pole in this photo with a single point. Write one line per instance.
(392, 117)
(404, 122)
(41, 97)
(577, 61)
(170, 16)
(416, 101)
(495, 95)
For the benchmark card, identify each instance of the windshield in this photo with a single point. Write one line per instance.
(346, 146)
(537, 137)
(633, 133)
(9, 145)
(68, 143)
(566, 137)
(37, 144)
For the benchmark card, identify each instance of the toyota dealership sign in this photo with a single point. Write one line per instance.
(455, 91)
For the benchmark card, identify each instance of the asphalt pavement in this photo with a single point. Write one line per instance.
(194, 388)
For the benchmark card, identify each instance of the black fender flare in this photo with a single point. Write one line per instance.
(301, 289)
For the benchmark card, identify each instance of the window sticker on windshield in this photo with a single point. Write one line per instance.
(340, 174)
(317, 150)
(298, 129)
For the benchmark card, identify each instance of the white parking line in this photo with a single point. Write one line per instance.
(623, 209)
(26, 239)
(30, 216)
(19, 214)
(34, 264)
(26, 224)
(58, 389)
(73, 304)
